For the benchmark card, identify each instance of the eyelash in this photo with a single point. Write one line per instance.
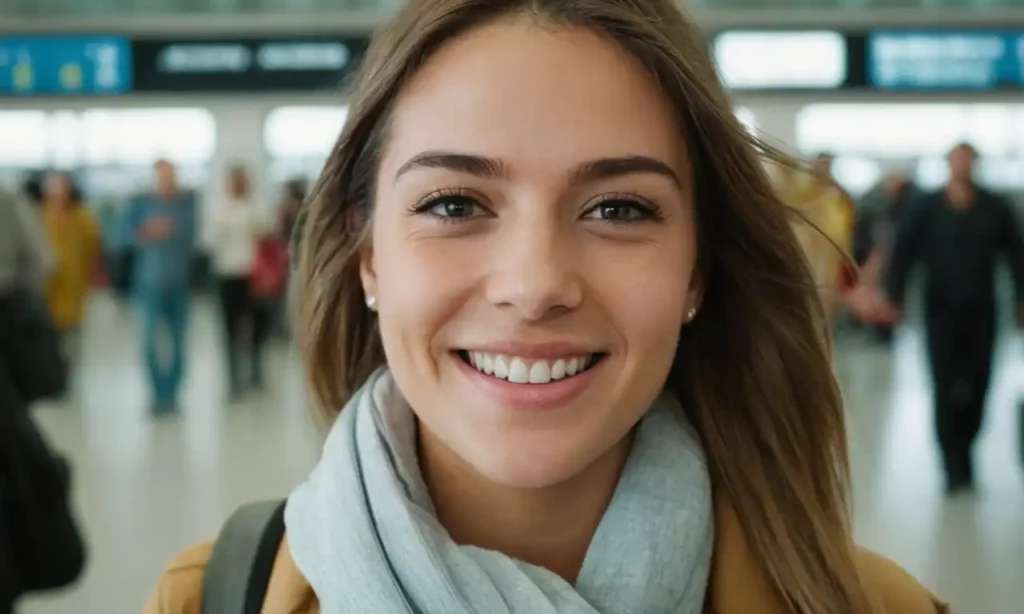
(432, 200)
(648, 210)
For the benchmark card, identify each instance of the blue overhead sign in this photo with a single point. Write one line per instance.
(945, 60)
(68, 65)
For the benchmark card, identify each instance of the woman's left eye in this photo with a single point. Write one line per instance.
(621, 211)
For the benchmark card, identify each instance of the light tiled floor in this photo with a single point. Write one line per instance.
(147, 487)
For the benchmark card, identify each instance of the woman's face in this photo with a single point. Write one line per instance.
(57, 188)
(533, 249)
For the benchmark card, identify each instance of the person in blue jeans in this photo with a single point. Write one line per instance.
(163, 227)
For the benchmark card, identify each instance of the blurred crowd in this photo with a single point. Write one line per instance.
(159, 249)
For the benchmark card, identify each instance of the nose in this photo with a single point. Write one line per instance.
(535, 270)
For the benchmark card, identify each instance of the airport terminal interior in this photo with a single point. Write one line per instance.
(102, 93)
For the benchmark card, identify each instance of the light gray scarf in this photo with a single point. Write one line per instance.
(363, 532)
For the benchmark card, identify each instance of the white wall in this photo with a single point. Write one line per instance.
(776, 114)
(239, 120)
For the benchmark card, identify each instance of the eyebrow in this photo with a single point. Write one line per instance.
(458, 162)
(489, 168)
(609, 168)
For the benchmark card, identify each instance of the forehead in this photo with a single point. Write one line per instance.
(963, 151)
(535, 96)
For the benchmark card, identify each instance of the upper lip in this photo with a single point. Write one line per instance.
(539, 351)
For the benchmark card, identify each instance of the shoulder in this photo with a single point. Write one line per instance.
(997, 202)
(179, 590)
(898, 590)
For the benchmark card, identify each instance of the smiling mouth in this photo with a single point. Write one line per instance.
(518, 370)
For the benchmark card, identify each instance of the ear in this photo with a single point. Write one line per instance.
(695, 294)
(693, 304)
(368, 273)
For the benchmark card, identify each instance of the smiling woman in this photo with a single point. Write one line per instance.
(580, 361)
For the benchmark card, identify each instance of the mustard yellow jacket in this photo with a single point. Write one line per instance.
(737, 585)
(75, 243)
(834, 217)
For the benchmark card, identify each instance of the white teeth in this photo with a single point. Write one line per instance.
(517, 372)
(500, 367)
(526, 371)
(540, 373)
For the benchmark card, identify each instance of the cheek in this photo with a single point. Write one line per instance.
(420, 286)
(645, 295)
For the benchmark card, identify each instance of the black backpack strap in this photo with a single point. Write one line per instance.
(238, 572)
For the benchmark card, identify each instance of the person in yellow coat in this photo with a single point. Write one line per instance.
(75, 242)
(822, 202)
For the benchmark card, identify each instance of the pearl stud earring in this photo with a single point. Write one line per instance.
(371, 303)
(691, 314)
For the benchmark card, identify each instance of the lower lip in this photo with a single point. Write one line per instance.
(529, 397)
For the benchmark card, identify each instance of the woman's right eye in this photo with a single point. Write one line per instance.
(451, 208)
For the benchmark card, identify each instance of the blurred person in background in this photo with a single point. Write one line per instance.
(32, 187)
(570, 350)
(293, 195)
(26, 259)
(829, 236)
(163, 227)
(958, 234)
(878, 217)
(235, 230)
(289, 210)
(75, 241)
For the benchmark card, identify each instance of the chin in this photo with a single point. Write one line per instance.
(531, 460)
(527, 471)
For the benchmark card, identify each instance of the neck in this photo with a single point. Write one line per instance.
(960, 194)
(549, 527)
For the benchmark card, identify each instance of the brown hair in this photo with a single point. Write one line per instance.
(754, 368)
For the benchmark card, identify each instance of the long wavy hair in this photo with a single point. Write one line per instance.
(754, 368)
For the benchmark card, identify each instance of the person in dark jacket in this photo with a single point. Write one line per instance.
(878, 216)
(958, 235)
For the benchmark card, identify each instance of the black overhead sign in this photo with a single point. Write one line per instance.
(245, 65)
